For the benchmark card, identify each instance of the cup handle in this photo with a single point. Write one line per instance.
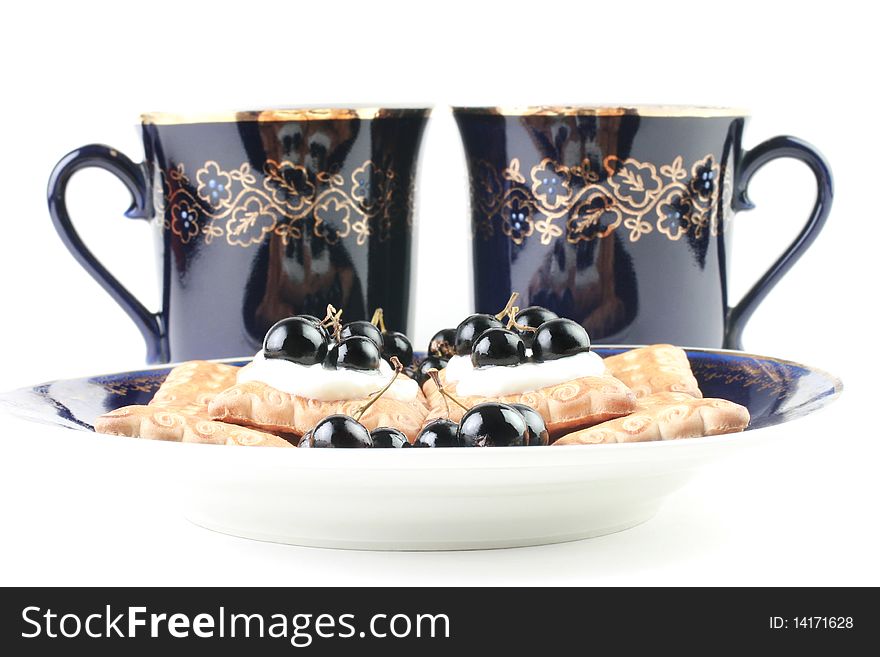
(151, 325)
(750, 162)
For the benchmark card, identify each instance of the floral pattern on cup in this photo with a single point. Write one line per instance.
(243, 208)
(369, 184)
(705, 177)
(332, 220)
(594, 217)
(249, 223)
(516, 219)
(591, 200)
(184, 220)
(288, 184)
(675, 216)
(487, 187)
(214, 185)
(550, 184)
(633, 182)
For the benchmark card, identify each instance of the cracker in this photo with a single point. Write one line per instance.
(658, 368)
(179, 411)
(574, 404)
(666, 416)
(261, 406)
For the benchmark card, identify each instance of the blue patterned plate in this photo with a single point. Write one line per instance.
(773, 390)
(442, 498)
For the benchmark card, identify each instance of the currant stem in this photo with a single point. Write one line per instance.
(398, 368)
(379, 319)
(513, 324)
(435, 377)
(332, 319)
(504, 313)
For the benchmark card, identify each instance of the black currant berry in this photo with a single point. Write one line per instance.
(538, 434)
(493, 425)
(532, 316)
(340, 431)
(354, 353)
(305, 441)
(431, 362)
(470, 329)
(442, 344)
(297, 340)
(364, 329)
(439, 433)
(317, 322)
(388, 437)
(559, 338)
(498, 346)
(397, 344)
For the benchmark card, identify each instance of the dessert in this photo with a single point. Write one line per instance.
(558, 375)
(653, 369)
(666, 416)
(301, 377)
(523, 377)
(179, 411)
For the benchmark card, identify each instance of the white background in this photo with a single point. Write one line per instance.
(802, 510)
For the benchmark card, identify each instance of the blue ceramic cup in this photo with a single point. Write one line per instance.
(260, 215)
(620, 218)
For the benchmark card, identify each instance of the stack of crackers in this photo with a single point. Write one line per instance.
(647, 394)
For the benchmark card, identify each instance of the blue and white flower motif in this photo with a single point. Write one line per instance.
(516, 219)
(705, 176)
(214, 185)
(368, 183)
(184, 220)
(550, 184)
(675, 216)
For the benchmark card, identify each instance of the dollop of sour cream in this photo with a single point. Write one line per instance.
(505, 380)
(317, 382)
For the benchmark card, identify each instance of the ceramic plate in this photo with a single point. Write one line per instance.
(418, 499)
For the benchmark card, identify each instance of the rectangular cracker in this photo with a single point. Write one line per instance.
(666, 416)
(255, 404)
(565, 407)
(179, 411)
(653, 369)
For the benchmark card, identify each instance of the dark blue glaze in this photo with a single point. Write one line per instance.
(621, 221)
(260, 217)
(773, 390)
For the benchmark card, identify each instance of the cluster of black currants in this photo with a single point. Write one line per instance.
(359, 345)
(488, 342)
(345, 432)
(491, 424)
(548, 336)
(440, 350)
(485, 425)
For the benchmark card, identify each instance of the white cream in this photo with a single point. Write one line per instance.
(504, 380)
(458, 367)
(317, 382)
